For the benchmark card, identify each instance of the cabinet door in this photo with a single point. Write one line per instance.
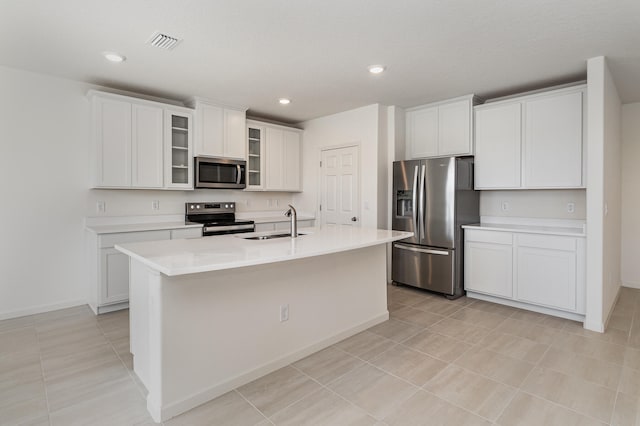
(553, 141)
(291, 161)
(210, 138)
(112, 121)
(147, 147)
(498, 138)
(422, 132)
(178, 139)
(488, 268)
(274, 147)
(546, 271)
(114, 277)
(255, 157)
(234, 129)
(454, 128)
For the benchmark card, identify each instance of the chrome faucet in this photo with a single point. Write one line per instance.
(294, 220)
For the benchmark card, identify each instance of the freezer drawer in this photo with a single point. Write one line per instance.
(424, 267)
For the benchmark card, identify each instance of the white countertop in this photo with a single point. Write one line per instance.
(180, 257)
(530, 229)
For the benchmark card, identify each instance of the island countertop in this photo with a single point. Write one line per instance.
(181, 257)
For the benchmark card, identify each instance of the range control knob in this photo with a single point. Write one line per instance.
(191, 207)
(197, 206)
(231, 205)
(226, 206)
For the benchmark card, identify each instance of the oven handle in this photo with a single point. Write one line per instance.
(239, 174)
(227, 228)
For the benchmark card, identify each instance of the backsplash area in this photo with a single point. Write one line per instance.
(551, 203)
(130, 202)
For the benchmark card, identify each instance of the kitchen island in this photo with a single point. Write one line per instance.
(211, 314)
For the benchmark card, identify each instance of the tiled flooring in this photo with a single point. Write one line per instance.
(434, 362)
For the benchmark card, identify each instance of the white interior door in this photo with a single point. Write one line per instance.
(340, 186)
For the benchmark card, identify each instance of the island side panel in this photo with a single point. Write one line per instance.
(222, 329)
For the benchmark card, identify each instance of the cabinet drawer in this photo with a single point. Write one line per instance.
(495, 237)
(553, 242)
(186, 233)
(109, 240)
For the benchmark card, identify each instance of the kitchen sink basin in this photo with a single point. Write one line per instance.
(270, 237)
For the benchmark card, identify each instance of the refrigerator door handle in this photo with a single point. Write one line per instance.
(421, 202)
(421, 250)
(415, 202)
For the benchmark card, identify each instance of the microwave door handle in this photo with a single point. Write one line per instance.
(239, 174)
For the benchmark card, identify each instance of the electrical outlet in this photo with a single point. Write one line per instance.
(505, 206)
(284, 313)
(101, 206)
(277, 202)
(269, 202)
(571, 207)
(155, 205)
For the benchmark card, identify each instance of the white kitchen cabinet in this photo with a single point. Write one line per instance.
(541, 272)
(255, 156)
(531, 142)
(109, 269)
(147, 147)
(441, 129)
(274, 153)
(546, 271)
(422, 132)
(488, 259)
(112, 142)
(274, 157)
(498, 142)
(136, 145)
(219, 129)
(553, 141)
(178, 148)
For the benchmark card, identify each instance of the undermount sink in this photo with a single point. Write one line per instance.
(269, 237)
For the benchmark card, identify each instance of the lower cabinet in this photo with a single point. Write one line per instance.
(531, 269)
(109, 269)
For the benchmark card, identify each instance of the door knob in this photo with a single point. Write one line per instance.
(354, 219)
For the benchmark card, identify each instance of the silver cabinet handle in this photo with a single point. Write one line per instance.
(421, 250)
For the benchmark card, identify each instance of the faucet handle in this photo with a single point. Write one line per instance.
(288, 213)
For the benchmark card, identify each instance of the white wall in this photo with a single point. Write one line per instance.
(548, 204)
(44, 157)
(630, 195)
(359, 126)
(603, 193)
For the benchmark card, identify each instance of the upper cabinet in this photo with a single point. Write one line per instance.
(140, 144)
(274, 156)
(441, 129)
(220, 130)
(531, 142)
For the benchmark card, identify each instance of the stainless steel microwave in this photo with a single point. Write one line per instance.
(222, 173)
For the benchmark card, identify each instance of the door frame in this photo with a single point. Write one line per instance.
(355, 144)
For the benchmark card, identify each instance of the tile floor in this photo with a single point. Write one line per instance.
(434, 362)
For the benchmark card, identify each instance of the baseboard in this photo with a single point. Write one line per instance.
(179, 407)
(41, 309)
(631, 284)
(514, 303)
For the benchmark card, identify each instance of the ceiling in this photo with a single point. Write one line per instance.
(252, 52)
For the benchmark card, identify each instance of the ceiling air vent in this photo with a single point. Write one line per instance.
(163, 41)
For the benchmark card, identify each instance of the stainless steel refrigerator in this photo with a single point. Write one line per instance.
(433, 198)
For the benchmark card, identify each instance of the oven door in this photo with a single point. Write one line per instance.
(219, 173)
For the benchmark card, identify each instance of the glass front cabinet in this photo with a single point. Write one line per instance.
(178, 149)
(255, 156)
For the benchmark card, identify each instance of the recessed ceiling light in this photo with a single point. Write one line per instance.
(114, 57)
(284, 101)
(376, 69)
